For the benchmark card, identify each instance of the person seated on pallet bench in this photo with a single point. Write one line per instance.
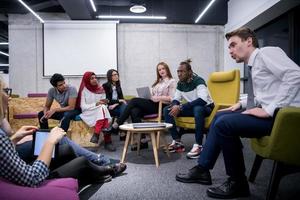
(66, 96)
(93, 103)
(114, 94)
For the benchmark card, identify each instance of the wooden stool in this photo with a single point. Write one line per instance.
(154, 134)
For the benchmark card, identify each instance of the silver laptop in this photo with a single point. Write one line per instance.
(144, 92)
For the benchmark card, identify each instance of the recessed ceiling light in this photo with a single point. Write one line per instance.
(131, 17)
(138, 9)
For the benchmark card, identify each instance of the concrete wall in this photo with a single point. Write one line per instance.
(140, 48)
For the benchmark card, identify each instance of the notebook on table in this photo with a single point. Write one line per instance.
(144, 92)
(149, 125)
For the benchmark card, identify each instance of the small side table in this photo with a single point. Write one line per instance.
(154, 135)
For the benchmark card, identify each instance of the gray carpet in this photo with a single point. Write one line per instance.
(142, 180)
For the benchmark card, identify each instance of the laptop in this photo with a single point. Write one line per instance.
(144, 92)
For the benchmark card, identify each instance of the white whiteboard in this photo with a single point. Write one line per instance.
(74, 47)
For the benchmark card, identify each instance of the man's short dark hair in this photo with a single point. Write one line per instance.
(56, 78)
(244, 33)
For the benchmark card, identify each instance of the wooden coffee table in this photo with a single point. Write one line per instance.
(154, 135)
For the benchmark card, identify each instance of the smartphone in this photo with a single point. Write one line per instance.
(39, 138)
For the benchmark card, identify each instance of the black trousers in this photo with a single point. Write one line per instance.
(137, 108)
(79, 168)
(66, 164)
(66, 116)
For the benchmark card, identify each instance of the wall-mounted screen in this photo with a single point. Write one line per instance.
(74, 47)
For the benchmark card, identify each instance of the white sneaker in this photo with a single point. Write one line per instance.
(195, 152)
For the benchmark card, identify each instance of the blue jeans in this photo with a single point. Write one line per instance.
(99, 159)
(198, 112)
(118, 110)
(25, 152)
(224, 135)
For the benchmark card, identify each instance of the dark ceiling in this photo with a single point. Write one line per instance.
(176, 11)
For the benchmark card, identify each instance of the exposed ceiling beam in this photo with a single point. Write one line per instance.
(43, 5)
(76, 9)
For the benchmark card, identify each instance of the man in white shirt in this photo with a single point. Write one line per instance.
(275, 83)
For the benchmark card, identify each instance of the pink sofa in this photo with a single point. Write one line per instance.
(58, 189)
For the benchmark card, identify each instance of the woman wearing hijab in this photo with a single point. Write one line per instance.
(93, 103)
(66, 164)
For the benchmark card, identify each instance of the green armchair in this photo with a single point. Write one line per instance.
(224, 88)
(282, 146)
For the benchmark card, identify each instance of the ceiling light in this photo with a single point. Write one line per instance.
(6, 54)
(204, 11)
(3, 43)
(138, 9)
(130, 17)
(4, 65)
(93, 5)
(27, 7)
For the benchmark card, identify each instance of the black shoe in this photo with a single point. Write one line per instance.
(195, 175)
(95, 138)
(230, 189)
(109, 147)
(104, 179)
(117, 169)
(122, 137)
(115, 131)
(143, 145)
(101, 171)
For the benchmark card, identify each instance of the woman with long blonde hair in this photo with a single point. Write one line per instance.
(162, 89)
